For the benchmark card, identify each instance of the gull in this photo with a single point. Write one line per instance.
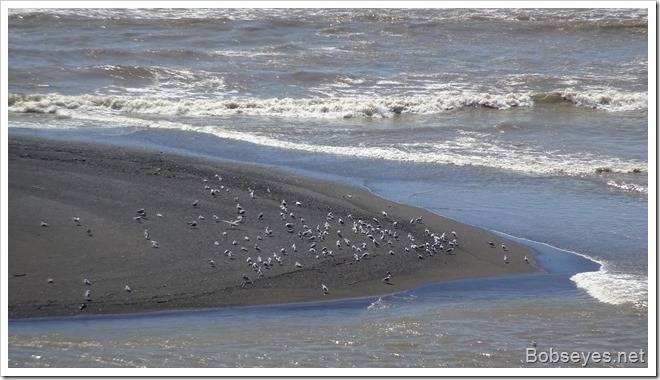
(216, 243)
(294, 248)
(195, 203)
(506, 259)
(232, 223)
(491, 244)
(44, 224)
(325, 289)
(365, 255)
(88, 295)
(298, 265)
(298, 203)
(141, 212)
(268, 231)
(154, 244)
(252, 193)
(212, 263)
(384, 214)
(51, 281)
(357, 258)
(82, 306)
(146, 234)
(246, 278)
(138, 219)
(234, 242)
(503, 247)
(224, 234)
(246, 238)
(127, 288)
(261, 216)
(159, 215)
(249, 260)
(526, 259)
(201, 217)
(76, 220)
(87, 282)
(387, 278)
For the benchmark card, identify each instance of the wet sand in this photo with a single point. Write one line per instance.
(54, 182)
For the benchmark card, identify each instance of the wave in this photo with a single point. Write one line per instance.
(614, 288)
(465, 149)
(360, 106)
(631, 187)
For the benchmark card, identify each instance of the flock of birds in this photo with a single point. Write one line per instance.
(355, 239)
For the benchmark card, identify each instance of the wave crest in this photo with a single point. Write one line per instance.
(614, 288)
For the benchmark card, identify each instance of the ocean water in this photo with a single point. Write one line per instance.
(533, 123)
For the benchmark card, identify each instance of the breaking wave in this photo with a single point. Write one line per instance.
(614, 288)
(314, 107)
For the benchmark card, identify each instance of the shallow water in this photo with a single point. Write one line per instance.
(531, 123)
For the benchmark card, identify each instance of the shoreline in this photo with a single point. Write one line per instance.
(53, 181)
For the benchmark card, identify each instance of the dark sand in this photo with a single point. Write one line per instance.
(54, 182)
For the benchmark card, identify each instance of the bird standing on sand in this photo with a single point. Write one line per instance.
(325, 289)
(506, 259)
(526, 259)
(86, 281)
(128, 288)
(387, 278)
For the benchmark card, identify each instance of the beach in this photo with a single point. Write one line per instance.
(181, 252)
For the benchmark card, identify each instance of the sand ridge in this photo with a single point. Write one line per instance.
(296, 234)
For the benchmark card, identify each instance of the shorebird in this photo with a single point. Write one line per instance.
(82, 306)
(212, 263)
(261, 216)
(325, 289)
(387, 278)
(232, 223)
(127, 288)
(506, 259)
(146, 234)
(154, 244)
(491, 244)
(87, 282)
(44, 224)
(159, 215)
(193, 223)
(76, 220)
(526, 259)
(247, 279)
(298, 203)
(195, 203)
(503, 247)
(51, 281)
(298, 265)
(384, 214)
(88, 295)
